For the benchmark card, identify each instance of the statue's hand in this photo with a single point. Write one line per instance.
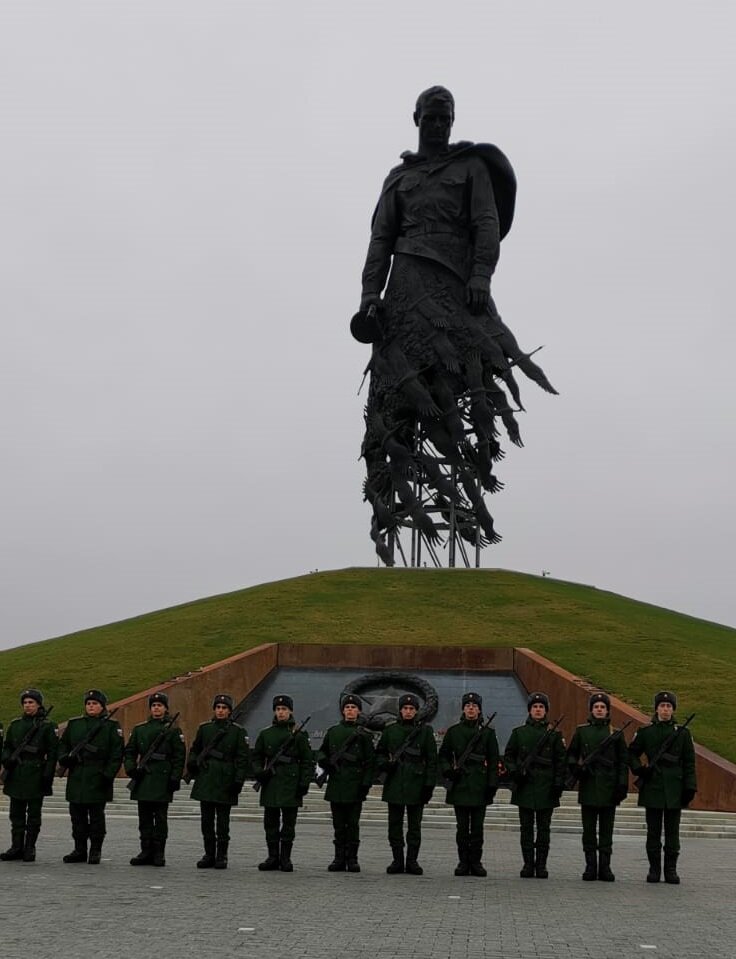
(477, 294)
(370, 299)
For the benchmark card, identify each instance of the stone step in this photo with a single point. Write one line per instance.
(501, 816)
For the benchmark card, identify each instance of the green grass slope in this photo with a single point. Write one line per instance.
(627, 647)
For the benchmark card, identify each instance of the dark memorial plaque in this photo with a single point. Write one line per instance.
(443, 362)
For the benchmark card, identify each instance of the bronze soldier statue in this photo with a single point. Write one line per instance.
(442, 364)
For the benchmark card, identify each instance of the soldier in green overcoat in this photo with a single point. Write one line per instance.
(218, 762)
(30, 775)
(155, 782)
(668, 783)
(602, 784)
(409, 775)
(91, 751)
(537, 785)
(468, 760)
(284, 766)
(347, 756)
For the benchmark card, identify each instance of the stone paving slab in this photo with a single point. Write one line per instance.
(49, 910)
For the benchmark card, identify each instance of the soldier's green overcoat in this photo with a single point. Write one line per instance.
(540, 789)
(480, 771)
(349, 782)
(155, 785)
(91, 779)
(291, 777)
(32, 777)
(598, 783)
(673, 774)
(417, 769)
(222, 774)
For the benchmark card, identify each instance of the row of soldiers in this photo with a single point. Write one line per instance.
(405, 761)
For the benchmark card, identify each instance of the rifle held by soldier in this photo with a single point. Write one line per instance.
(151, 753)
(646, 772)
(84, 745)
(25, 745)
(278, 756)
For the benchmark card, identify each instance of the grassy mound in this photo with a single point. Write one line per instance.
(629, 648)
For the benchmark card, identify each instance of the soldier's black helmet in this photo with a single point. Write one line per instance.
(34, 694)
(599, 698)
(665, 697)
(473, 698)
(95, 695)
(222, 699)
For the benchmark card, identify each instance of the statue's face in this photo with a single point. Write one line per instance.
(435, 122)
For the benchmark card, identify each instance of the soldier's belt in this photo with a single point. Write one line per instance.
(600, 761)
(285, 760)
(541, 761)
(668, 761)
(412, 751)
(33, 750)
(159, 757)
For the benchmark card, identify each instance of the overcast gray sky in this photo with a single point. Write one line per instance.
(186, 193)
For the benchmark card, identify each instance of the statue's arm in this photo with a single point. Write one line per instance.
(485, 236)
(384, 230)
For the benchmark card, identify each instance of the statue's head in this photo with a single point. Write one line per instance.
(435, 99)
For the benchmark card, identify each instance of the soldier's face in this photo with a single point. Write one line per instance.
(158, 710)
(471, 711)
(222, 711)
(599, 710)
(538, 711)
(408, 712)
(350, 712)
(30, 707)
(435, 122)
(664, 712)
(282, 713)
(92, 707)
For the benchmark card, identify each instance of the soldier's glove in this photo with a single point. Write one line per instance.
(620, 793)
(687, 797)
(174, 785)
(10, 764)
(557, 793)
(363, 793)
(69, 762)
(326, 766)
(454, 775)
(264, 776)
(645, 773)
(302, 791)
(135, 775)
(490, 796)
(47, 784)
(238, 788)
(426, 794)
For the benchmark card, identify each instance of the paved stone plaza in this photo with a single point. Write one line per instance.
(53, 911)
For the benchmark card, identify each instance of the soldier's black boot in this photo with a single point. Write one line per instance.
(591, 867)
(540, 864)
(527, 870)
(412, 866)
(351, 857)
(463, 860)
(398, 861)
(670, 868)
(145, 856)
(604, 867)
(78, 854)
(17, 838)
(29, 846)
(208, 860)
(339, 862)
(221, 855)
(159, 848)
(655, 866)
(476, 866)
(95, 852)
(285, 863)
(272, 859)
